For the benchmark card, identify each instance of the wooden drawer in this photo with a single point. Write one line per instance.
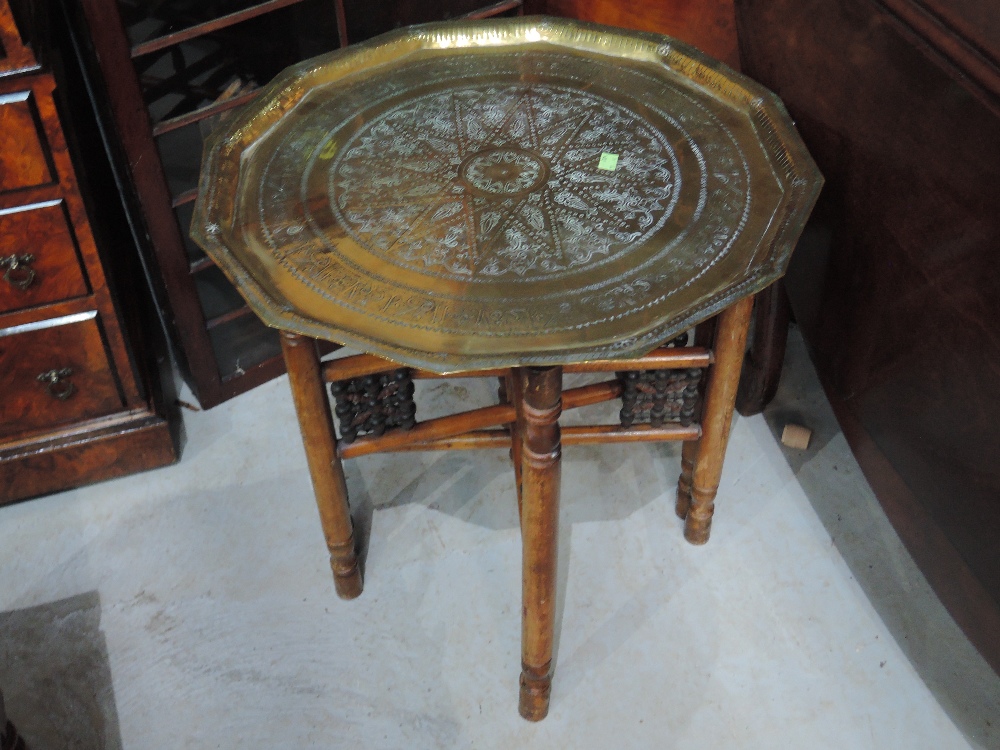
(24, 159)
(72, 346)
(38, 257)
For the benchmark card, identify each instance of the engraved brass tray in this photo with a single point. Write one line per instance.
(508, 192)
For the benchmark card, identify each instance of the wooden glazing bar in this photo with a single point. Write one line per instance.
(360, 365)
(229, 317)
(192, 32)
(492, 10)
(201, 264)
(205, 112)
(186, 197)
(338, 8)
(432, 429)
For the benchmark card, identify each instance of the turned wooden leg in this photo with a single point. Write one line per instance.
(704, 336)
(541, 405)
(316, 424)
(717, 417)
(515, 390)
(762, 365)
(689, 449)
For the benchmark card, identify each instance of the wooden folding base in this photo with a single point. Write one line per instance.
(526, 421)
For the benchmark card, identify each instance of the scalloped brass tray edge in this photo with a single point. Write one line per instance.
(794, 167)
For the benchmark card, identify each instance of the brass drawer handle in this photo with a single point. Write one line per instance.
(56, 383)
(19, 272)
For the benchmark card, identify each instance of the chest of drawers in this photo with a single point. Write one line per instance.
(78, 392)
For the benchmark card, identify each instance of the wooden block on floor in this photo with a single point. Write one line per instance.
(796, 436)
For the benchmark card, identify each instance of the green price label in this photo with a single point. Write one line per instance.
(608, 162)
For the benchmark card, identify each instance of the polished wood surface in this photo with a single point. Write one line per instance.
(15, 55)
(79, 397)
(23, 161)
(896, 284)
(41, 232)
(329, 485)
(84, 453)
(707, 24)
(87, 390)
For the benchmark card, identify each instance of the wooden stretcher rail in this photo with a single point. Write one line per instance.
(576, 435)
(360, 365)
(432, 429)
(471, 421)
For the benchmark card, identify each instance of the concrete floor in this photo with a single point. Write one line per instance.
(193, 607)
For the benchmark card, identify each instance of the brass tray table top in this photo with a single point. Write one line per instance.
(527, 191)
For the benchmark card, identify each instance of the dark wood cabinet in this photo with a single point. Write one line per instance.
(896, 284)
(77, 393)
(709, 25)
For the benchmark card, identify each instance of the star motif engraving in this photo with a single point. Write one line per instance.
(501, 180)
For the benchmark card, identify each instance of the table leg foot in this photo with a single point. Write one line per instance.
(689, 450)
(535, 691)
(698, 523)
(346, 571)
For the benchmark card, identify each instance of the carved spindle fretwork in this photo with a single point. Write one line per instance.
(374, 403)
(689, 396)
(659, 396)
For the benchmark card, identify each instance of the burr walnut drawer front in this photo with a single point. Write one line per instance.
(54, 372)
(38, 257)
(24, 159)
